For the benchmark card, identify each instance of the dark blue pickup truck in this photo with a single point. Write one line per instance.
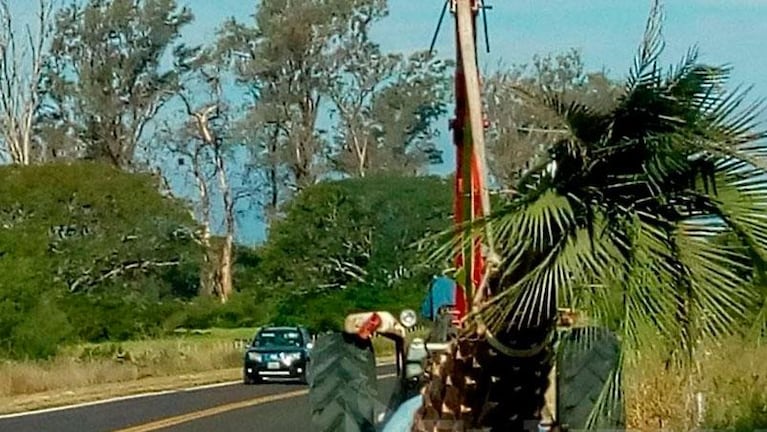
(278, 352)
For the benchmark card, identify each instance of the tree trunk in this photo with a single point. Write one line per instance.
(225, 262)
(274, 186)
(222, 267)
(360, 151)
(225, 269)
(19, 90)
(207, 279)
(305, 142)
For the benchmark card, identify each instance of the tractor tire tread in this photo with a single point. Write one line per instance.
(342, 384)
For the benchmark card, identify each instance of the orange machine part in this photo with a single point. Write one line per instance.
(468, 185)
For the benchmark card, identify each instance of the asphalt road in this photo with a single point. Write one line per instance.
(269, 407)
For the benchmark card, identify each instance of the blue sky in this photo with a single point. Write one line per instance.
(607, 31)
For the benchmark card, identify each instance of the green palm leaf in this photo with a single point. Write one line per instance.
(645, 64)
(651, 218)
(716, 282)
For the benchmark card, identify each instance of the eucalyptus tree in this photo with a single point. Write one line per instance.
(22, 61)
(520, 131)
(284, 61)
(302, 59)
(386, 106)
(104, 80)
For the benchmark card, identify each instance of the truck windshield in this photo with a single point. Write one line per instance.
(277, 338)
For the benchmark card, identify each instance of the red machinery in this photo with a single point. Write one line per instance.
(471, 200)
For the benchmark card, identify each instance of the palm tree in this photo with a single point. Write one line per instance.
(648, 217)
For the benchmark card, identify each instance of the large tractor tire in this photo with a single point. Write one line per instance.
(589, 392)
(342, 384)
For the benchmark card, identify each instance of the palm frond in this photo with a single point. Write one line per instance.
(560, 274)
(582, 123)
(645, 68)
(693, 83)
(741, 203)
(719, 295)
(541, 222)
(652, 218)
(646, 287)
(731, 130)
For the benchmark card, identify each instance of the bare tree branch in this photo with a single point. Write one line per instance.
(21, 71)
(89, 280)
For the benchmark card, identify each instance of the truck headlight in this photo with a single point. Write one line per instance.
(408, 318)
(289, 358)
(253, 356)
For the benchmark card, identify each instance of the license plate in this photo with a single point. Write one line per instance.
(273, 365)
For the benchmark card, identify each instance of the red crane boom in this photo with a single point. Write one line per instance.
(471, 199)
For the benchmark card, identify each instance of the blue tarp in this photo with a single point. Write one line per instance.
(441, 293)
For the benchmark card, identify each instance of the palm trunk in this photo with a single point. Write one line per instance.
(494, 382)
(477, 387)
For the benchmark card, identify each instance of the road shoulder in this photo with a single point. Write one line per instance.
(103, 393)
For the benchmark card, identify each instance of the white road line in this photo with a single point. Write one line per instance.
(91, 403)
(210, 386)
(144, 395)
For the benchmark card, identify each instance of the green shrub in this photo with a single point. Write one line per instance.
(348, 245)
(103, 247)
(40, 332)
(242, 310)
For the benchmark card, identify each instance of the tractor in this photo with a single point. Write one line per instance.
(544, 379)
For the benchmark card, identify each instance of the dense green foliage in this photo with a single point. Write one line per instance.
(88, 252)
(348, 245)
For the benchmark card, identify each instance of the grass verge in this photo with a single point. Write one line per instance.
(96, 392)
(92, 372)
(732, 380)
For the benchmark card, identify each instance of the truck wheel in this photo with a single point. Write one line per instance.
(589, 392)
(249, 381)
(342, 384)
(304, 377)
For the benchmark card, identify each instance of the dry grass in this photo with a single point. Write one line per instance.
(95, 364)
(97, 371)
(53, 398)
(732, 380)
